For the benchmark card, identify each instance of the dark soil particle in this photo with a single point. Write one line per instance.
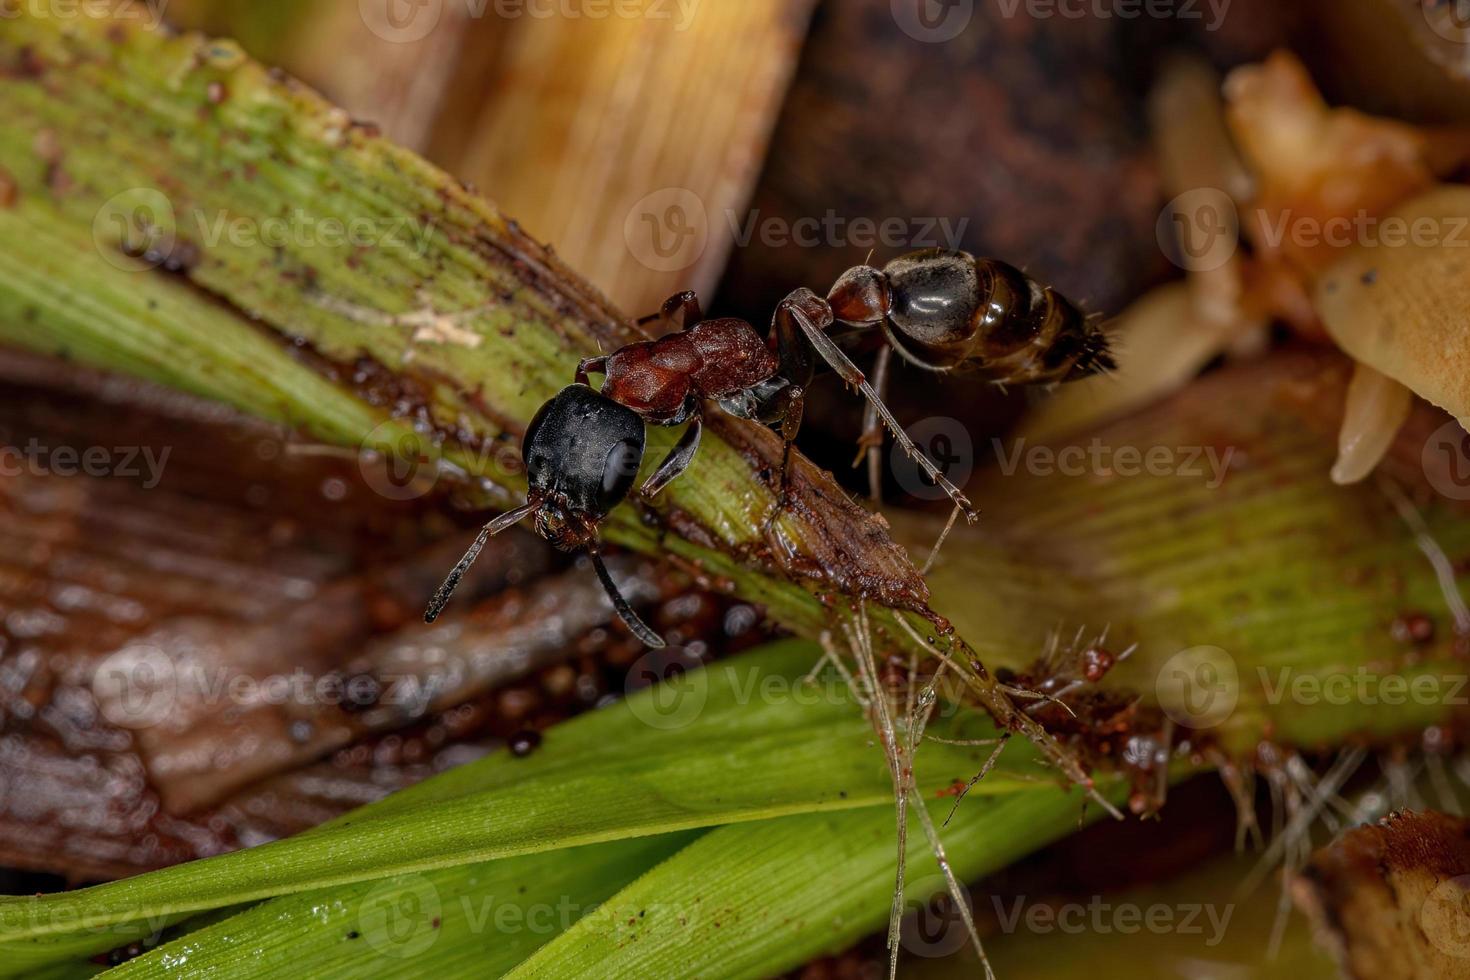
(524, 743)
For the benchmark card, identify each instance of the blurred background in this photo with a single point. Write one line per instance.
(745, 149)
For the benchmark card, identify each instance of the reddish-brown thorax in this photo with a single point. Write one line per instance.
(715, 358)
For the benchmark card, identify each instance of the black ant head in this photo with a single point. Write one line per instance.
(861, 296)
(582, 453)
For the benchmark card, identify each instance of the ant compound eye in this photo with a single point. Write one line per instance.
(618, 473)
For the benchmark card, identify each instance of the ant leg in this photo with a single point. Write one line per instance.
(673, 467)
(679, 312)
(793, 407)
(871, 440)
(590, 365)
(790, 407)
(810, 314)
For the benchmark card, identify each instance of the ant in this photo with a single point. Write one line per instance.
(940, 310)
(582, 451)
(947, 311)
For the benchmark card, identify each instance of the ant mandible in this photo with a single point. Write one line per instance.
(940, 310)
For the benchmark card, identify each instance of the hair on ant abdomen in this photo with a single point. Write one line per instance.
(951, 311)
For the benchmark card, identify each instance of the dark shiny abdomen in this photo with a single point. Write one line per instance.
(952, 311)
(935, 297)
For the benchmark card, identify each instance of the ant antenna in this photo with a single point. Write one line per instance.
(451, 582)
(625, 612)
